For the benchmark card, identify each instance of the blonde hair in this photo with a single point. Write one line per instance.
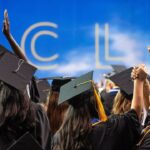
(109, 85)
(121, 104)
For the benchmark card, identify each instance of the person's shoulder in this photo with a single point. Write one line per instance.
(124, 122)
(131, 115)
(128, 115)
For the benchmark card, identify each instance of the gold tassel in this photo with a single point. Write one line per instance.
(101, 112)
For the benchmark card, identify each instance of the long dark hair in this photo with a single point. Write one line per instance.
(16, 110)
(76, 127)
(55, 112)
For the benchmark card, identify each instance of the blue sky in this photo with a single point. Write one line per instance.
(75, 20)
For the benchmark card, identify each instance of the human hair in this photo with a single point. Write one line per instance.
(16, 110)
(109, 85)
(76, 127)
(55, 112)
(121, 104)
(45, 101)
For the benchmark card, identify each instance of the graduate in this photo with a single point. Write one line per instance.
(123, 98)
(18, 114)
(108, 95)
(119, 132)
(43, 87)
(56, 112)
(34, 95)
(144, 142)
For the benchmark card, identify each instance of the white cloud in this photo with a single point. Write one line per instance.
(82, 59)
(130, 45)
(79, 60)
(76, 62)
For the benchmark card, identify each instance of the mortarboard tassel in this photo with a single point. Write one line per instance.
(100, 109)
(101, 112)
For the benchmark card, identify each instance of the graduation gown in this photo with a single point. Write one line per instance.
(108, 99)
(120, 132)
(144, 142)
(41, 132)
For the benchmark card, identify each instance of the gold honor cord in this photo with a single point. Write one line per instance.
(100, 109)
(146, 131)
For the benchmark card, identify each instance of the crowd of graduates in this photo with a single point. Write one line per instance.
(71, 113)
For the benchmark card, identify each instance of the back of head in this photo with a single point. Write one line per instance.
(123, 99)
(83, 105)
(76, 125)
(55, 112)
(14, 106)
(15, 75)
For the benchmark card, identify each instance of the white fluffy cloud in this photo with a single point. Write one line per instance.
(76, 62)
(130, 46)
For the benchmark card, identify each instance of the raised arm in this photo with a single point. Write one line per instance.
(6, 30)
(146, 92)
(137, 101)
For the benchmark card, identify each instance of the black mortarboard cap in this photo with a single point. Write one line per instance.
(25, 142)
(75, 87)
(116, 69)
(124, 81)
(57, 82)
(15, 72)
(43, 87)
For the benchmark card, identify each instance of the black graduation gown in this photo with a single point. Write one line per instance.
(145, 143)
(120, 132)
(108, 99)
(41, 132)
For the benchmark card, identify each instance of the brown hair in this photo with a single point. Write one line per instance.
(121, 104)
(55, 112)
(76, 127)
(17, 110)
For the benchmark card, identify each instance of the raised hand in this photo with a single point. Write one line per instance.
(6, 30)
(139, 72)
(134, 74)
(6, 26)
